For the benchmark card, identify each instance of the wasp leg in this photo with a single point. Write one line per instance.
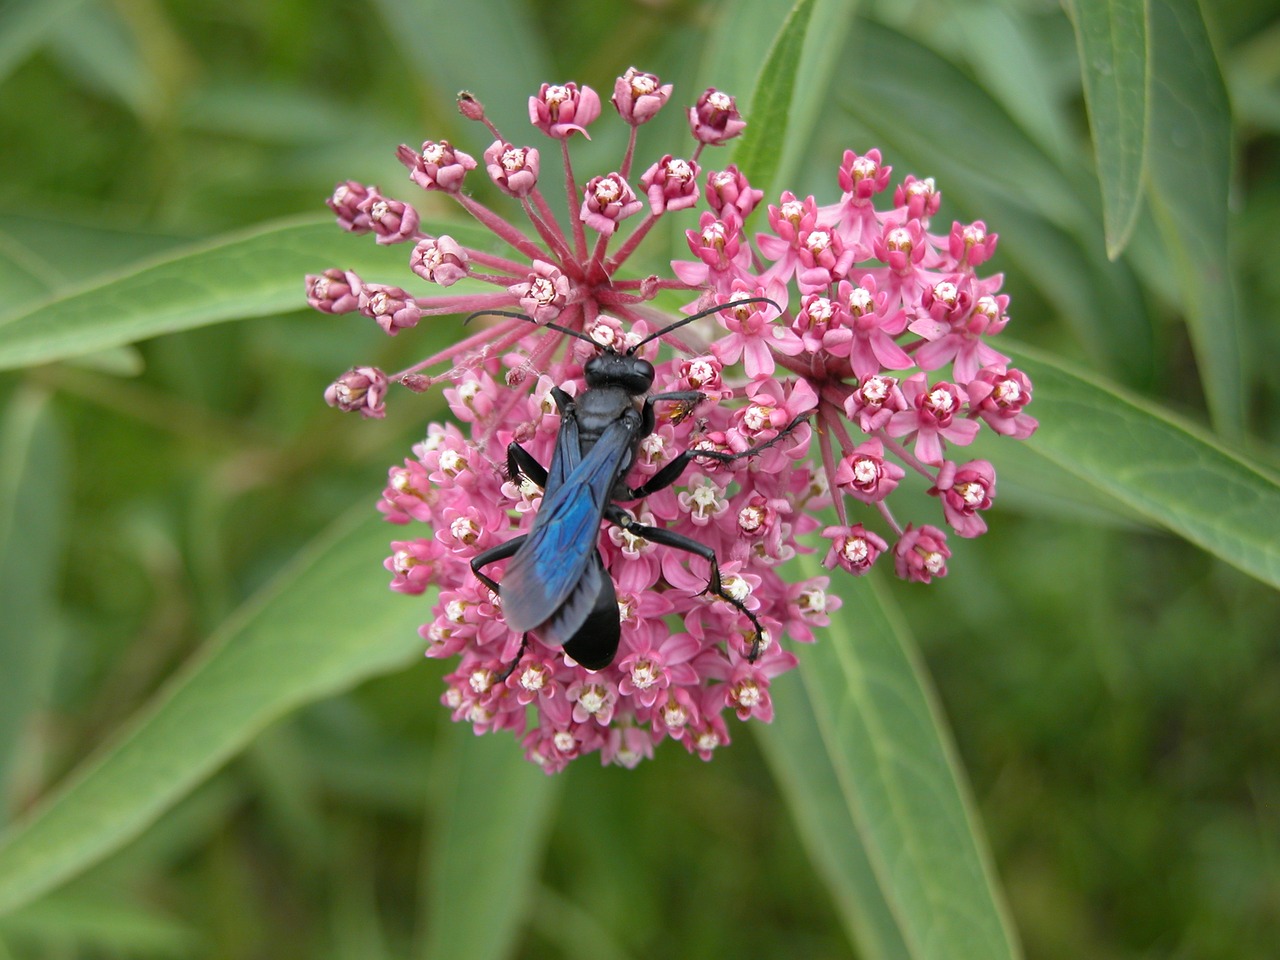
(510, 668)
(670, 473)
(493, 555)
(669, 538)
(520, 460)
(501, 552)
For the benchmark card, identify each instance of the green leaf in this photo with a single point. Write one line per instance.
(487, 838)
(759, 152)
(447, 51)
(322, 626)
(106, 923)
(819, 63)
(1188, 171)
(34, 488)
(1044, 218)
(1165, 469)
(255, 273)
(1111, 36)
(25, 25)
(863, 758)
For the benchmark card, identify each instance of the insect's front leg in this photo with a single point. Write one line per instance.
(669, 538)
(521, 461)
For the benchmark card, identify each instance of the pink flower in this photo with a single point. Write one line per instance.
(439, 260)
(437, 166)
(998, 396)
(561, 111)
(544, 294)
(346, 201)
(865, 474)
(334, 291)
(639, 96)
(670, 184)
(921, 554)
(935, 414)
(391, 220)
(714, 119)
(513, 170)
(363, 389)
(865, 302)
(392, 307)
(730, 195)
(964, 491)
(606, 202)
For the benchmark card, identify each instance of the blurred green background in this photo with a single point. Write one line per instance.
(1113, 691)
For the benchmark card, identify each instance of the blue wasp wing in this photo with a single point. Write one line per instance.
(558, 550)
(566, 455)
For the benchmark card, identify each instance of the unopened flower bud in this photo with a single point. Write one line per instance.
(559, 111)
(439, 260)
(334, 291)
(714, 119)
(391, 220)
(606, 202)
(437, 166)
(514, 170)
(363, 389)
(394, 309)
(639, 96)
(345, 202)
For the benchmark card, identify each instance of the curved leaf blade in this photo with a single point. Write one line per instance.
(34, 482)
(1189, 172)
(491, 826)
(881, 796)
(254, 273)
(1163, 468)
(759, 153)
(324, 625)
(1111, 37)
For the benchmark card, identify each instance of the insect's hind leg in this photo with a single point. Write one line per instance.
(669, 538)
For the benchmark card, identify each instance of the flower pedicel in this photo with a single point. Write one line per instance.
(882, 342)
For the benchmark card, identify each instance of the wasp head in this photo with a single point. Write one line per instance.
(610, 369)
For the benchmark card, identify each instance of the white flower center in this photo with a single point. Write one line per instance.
(608, 190)
(1008, 392)
(864, 168)
(563, 741)
(941, 401)
(644, 675)
(464, 530)
(856, 550)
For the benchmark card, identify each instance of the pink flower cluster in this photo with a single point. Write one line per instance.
(871, 311)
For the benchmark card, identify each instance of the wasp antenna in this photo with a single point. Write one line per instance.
(516, 315)
(698, 316)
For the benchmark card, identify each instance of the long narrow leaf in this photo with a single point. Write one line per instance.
(33, 505)
(870, 773)
(487, 839)
(1164, 469)
(321, 627)
(1111, 36)
(759, 152)
(255, 273)
(1189, 169)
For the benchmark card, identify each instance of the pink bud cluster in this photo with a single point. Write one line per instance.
(873, 308)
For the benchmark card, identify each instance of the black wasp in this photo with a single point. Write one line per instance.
(556, 584)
